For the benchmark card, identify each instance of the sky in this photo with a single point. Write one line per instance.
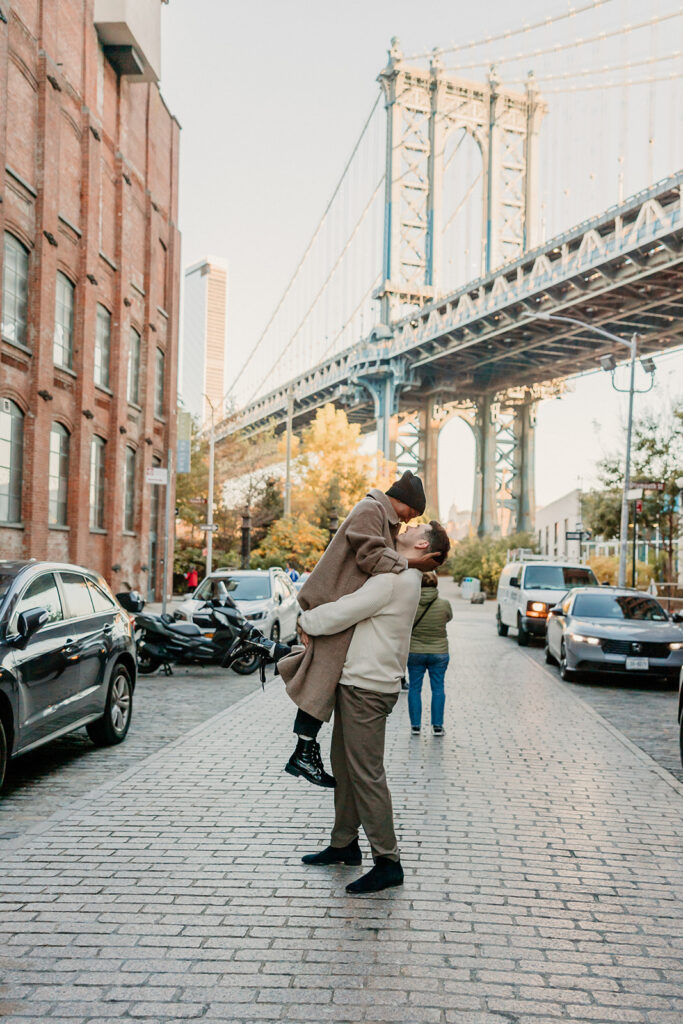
(271, 97)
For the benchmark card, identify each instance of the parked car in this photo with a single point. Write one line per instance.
(614, 630)
(266, 598)
(528, 590)
(67, 657)
(300, 582)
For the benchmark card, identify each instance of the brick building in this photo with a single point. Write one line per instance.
(90, 282)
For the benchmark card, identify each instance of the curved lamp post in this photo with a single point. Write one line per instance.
(609, 363)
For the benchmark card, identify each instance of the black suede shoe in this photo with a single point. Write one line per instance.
(307, 763)
(384, 874)
(349, 854)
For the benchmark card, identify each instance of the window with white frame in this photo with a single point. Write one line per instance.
(11, 460)
(63, 338)
(102, 346)
(15, 290)
(129, 491)
(98, 448)
(58, 475)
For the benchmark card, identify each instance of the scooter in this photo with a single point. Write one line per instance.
(160, 641)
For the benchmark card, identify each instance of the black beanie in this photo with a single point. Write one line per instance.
(410, 491)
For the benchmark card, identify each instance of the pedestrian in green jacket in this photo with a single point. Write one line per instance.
(429, 653)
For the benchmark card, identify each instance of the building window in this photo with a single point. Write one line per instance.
(129, 491)
(159, 384)
(11, 460)
(102, 346)
(97, 450)
(63, 342)
(58, 474)
(134, 367)
(14, 290)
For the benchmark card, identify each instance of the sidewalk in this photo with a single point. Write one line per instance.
(540, 853)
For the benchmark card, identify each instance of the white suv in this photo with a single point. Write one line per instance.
(266, 597)
(528, 590)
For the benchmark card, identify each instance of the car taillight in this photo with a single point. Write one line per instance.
(537, 609)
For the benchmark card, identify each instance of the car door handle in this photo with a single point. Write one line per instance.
(108, 628)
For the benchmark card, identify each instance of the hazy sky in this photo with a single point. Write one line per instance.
(271, 97)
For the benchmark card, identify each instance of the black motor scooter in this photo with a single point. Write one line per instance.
(160, 641)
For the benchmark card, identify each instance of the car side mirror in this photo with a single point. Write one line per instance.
(279, 598)
(557, 610)
(29, 622)
(514, 582)
(677, 617)
(131, 601)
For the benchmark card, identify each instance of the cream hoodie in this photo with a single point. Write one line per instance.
(382, 611)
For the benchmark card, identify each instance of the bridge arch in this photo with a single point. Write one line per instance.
(462, 235)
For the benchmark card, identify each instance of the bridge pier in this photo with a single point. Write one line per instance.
(504, 491)
(415, 446)
(484, 511)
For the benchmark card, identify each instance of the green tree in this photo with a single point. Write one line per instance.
(601, 512)
(485, 557)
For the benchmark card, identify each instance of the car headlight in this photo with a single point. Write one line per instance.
(594, 641)
(676, 646)
(255, 616)
(536, 609)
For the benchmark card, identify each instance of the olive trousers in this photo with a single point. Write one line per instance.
(362, 795)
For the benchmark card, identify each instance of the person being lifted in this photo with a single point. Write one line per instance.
(364, 546)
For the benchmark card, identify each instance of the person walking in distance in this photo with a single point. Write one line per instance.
(429, 653)
(191, 578)
(381, 611)
(363, 546)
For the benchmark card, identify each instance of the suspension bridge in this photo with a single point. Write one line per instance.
(425, 288)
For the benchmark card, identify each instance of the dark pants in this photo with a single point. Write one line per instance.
(306, 725)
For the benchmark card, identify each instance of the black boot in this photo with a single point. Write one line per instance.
(349, 854)
(383, 875)
(307, 763)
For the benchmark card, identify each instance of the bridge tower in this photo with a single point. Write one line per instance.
(424, 107)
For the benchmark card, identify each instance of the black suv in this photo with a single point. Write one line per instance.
(67, 657)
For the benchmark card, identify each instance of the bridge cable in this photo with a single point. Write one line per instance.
(599, 71)
(559, 47)
(308, 247)
(509, 33)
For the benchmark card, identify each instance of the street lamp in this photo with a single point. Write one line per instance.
(209, 504)
(609, 363)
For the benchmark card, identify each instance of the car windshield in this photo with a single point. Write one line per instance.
(557, 577)
(619, 606)
(240, 588)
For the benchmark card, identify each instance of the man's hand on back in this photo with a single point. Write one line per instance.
(425, 563)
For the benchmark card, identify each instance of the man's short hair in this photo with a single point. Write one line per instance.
(439, 541)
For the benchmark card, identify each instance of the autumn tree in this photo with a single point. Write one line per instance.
(291, 539)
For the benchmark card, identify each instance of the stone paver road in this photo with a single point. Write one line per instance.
(542, 856)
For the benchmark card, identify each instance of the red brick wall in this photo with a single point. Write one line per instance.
(93, 162)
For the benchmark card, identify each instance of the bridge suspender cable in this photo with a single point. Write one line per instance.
(308, 248)
(619, 83)
(475, 43)
(600, 71)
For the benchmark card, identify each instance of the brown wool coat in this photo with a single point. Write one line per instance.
(364, 545)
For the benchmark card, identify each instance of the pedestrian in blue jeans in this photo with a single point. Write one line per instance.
(429, 653)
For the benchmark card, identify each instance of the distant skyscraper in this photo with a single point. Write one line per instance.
(202, 368)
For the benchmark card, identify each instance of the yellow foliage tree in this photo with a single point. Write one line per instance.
(291, 539)
(330, 469)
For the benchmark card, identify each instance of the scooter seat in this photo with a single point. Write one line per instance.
(184, 628)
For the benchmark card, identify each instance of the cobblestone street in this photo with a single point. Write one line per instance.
(542, 856)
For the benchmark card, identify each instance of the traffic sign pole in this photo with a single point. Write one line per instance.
(167, 527)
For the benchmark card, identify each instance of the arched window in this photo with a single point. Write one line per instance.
(63, 342)
(11, 459)
(102, 346)
(159, 384)
(97, 449)
(129, 491)
(58, 475)
(134, 367)
(14, 290)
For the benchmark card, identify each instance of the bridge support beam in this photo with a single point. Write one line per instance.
(415, 438)
(484, 510)
(524, 489)
(504, 491)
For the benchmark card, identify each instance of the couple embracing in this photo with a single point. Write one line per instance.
(359, 605)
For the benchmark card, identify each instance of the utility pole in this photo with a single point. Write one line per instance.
(623, 537)
(288, 468)
(209, 506)
(167, 528)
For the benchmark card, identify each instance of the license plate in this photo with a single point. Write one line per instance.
(637, 664)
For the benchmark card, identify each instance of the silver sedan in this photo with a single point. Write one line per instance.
(613, 630)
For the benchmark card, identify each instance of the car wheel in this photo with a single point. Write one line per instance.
(550, 659)
(500, 625)
(275, 631)
(114, 724)
(566, 673)
(522, 635)
(4, 754)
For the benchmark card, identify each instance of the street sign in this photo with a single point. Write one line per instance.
(156, 476)
(649, 485)
(196, 501)
(208, 529)
(634, 494)
(577, 535)
(183, 453)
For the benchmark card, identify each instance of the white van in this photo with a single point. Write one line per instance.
(528, 590)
